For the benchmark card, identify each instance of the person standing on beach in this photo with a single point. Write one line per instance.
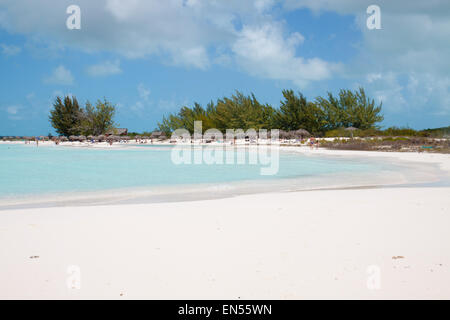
(311, 142)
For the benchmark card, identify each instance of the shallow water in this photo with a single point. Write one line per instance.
(27, 171)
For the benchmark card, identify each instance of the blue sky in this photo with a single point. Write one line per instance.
(152, 57)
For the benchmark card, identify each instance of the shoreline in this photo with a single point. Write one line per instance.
(417, 170)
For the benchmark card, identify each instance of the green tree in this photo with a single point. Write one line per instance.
(350, 109)
(296, 112)
(332, 112)
(66, 116)
(99, 119)
(237, 112)
(242, 112)
(363, 113)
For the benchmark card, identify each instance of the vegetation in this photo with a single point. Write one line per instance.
(239, 111)
(438, 132)
(68, 118)
(295, 112)
(415, 144)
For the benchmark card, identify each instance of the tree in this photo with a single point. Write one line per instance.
(363, 114)
(98, 120)
(242, 112)
(350, 109)
(237, 112)
(296, 112)
(69, 119)
(332, 112)
(66, 116)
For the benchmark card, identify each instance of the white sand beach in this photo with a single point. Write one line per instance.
(374, 243)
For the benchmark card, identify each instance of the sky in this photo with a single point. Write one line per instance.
(151, 57)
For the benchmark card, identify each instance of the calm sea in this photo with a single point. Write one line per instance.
(31, 170)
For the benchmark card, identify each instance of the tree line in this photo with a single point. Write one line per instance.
(347, 109)
(70, 119)
(324, 114)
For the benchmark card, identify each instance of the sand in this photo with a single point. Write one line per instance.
(379, 243)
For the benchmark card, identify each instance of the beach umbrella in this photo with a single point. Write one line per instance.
(63, 138)
(156, 134)
(73, 138)
(283, 134)
(291, 134)
(101, 138)
(301, 133)
(252, 134)
(351, 129)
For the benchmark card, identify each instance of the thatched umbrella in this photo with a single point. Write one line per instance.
(101, 138)
(90, 138)
(263, 136)
(73, 138)
(63, 138)
(82, 138)
(283, 134)
(156, 134)
(351, 129)
(162, 137)
(291, 134)
(301, 133)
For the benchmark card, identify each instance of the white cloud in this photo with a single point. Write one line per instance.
(263, 5)
(195, 57)
(10, 50)
(13, 110)
(371, 77)
(60, 76)
(144, 100)
(266, 52)
(144, 93)
(200, 33)
(406, 60)
(105, 68)
(185, 33)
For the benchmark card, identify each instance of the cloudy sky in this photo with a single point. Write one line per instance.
(151, 57)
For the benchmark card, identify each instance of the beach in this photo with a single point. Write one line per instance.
(358, 243)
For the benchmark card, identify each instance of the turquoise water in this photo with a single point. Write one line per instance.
(28, 170)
